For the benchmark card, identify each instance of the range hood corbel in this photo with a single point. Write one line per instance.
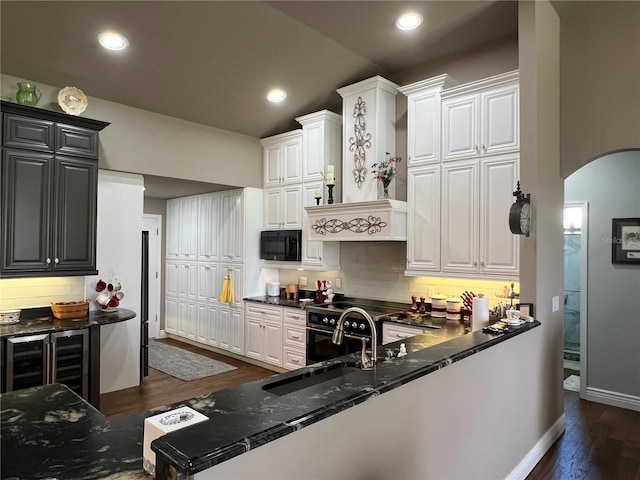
(379, 220)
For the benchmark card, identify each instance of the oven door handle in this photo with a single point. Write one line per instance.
(320, 330)
(347, 335)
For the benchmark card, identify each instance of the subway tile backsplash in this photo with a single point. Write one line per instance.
(376, 270)
(39, 292)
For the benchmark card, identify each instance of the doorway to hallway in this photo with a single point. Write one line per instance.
(575, 268)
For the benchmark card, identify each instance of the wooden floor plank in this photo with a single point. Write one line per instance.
(160, 389)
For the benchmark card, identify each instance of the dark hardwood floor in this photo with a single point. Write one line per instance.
(600, 442)
(160, 389)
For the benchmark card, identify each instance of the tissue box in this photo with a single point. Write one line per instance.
(159, 425)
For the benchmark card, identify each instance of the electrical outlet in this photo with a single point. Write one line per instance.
(555, 303)
(338, 283)
(302, 281)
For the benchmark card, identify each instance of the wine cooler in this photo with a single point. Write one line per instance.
(59, 357)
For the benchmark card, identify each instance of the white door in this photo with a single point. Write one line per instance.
(153, 225)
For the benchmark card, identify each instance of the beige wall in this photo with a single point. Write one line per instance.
(138, 141)
(600, 87)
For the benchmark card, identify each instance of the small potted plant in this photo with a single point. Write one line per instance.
(385, 171)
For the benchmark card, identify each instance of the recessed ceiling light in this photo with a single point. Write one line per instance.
(276, 95)
(112, 41)
(409, 21)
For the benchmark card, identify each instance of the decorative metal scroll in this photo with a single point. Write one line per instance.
(361, 141)
(370, 225)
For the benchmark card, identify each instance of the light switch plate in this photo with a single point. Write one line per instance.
(555, 303)
(338, 283)
(302, 281)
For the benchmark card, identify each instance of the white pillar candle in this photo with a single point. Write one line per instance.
(330, 175)
(318, 193)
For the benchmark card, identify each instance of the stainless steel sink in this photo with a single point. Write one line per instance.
(309, 378)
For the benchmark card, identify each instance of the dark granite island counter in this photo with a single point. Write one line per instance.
(294, 424)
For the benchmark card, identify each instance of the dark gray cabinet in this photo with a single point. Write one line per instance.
(49, 192)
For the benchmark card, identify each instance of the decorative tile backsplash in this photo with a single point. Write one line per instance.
(38, 292)
(376, 270)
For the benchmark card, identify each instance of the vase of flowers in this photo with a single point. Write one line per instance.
(385, 172)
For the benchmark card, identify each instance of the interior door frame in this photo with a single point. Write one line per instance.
(151, 222)
(584, 275)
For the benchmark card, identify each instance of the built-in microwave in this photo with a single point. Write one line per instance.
(281, 245)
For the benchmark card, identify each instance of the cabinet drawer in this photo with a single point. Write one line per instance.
(265, 312)
(295, 317)
(26, 132)
(293, 358)
(392, 332)
(77, 141)
(295, 336)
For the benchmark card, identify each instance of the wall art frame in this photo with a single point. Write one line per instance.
(625, 241)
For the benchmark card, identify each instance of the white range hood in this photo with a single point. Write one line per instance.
(368, 133)
(358, 221)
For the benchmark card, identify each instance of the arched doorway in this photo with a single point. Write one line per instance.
(609, 326)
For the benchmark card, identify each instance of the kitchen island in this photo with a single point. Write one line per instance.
(282, 408)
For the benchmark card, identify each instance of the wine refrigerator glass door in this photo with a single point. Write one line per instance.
(27, 361)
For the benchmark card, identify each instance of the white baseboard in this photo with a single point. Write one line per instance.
(615, 399)
(532, 458)
(162, 334)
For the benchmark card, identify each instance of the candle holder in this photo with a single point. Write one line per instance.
(318, 200)
(330, 199)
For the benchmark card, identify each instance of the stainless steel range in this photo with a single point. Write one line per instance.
(321, 323)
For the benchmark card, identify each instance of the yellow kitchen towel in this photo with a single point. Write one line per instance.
(227, 289)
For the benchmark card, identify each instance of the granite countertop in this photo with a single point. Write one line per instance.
(41, 320)
(246, 417)
(280, 301)
(240, 418)
(49, 432)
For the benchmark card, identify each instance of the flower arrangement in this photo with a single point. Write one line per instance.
(386, 171)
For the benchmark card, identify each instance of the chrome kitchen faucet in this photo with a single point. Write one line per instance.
(338, 336)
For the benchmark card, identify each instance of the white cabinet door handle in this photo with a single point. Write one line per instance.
(48, 261)
(295, 337)
(475, 264)
(56, 260)
(295, 360)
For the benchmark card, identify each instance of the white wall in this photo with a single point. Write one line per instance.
(600, 52)
(120, 201)
(138, 141)
(613, 303)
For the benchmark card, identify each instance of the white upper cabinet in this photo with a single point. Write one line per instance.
(423, 119)
(282, 159)
(283, 208)
(208, 206)
(476, 196)
(232, 226)
(481, 118)
(182, 227)
(498, 248)
(423, 218)
(173, 228)
(321, 144)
